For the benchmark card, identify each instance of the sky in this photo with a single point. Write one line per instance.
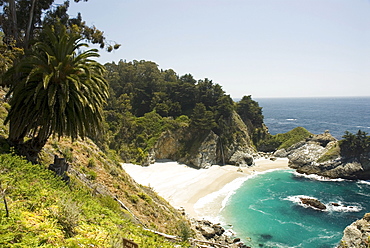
(263, 48)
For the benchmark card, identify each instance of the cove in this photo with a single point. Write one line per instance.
(265, 210)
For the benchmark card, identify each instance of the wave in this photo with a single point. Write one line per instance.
(319, 178)
(364, 182)
(343, 208)
(291, 119)
(224, 194)
(330, 207)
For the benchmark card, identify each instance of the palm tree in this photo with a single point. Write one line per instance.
(61, 91)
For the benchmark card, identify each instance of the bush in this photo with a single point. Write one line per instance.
(283, 140)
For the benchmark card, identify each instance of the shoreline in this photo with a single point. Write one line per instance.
(202, 193)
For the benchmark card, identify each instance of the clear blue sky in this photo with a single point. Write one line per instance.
(263, 48)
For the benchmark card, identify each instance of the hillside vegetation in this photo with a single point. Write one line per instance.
(44, 211)
(283, 140)
(146, 101)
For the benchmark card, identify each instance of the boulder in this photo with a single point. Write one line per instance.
(281, 153)
(241, 158)
(313, 203)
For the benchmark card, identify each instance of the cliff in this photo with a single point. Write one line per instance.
(232, 144)
(320, 154)
(357, 234)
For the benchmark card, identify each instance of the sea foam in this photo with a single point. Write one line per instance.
(330, 207)
(319, 178)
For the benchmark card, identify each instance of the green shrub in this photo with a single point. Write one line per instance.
(67, 214)
(145, 197)
(91, 175)
(283, 140)
(91, 163)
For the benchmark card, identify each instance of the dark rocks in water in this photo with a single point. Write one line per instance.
(266, 236)
(335, 204)
(236, 240)
(314, 203)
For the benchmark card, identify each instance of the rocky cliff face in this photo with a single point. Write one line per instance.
(304, 157)
(357, 234)
(204, 148)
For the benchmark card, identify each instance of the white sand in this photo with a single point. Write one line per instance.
(201, 192)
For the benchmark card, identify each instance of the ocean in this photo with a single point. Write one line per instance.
(265, 210)
(317, 114)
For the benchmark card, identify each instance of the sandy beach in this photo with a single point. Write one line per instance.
(201, 192)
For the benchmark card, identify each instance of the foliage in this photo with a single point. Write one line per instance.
(355, 145)
(249, 110)
(283, 140)
(145, 101)
(61, 91)
(9, 53)
(52, 214)
(202, 118)
(22, 20)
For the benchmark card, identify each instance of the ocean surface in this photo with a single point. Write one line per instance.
(265, 210)
(317, 114)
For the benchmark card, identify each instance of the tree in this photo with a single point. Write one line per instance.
(23, 21)
(8, 54)
(355, 145)
(202, 118)
(249, 110)
(21, 17)
(61, 90)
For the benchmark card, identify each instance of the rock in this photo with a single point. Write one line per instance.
(314, 203)
(236, 240)
(204, 148)
(207, 232)
(241, 158)
(207, 152)
(167, 146)
(357, 234)
(215, 233)
(304, 157)
(323, 139)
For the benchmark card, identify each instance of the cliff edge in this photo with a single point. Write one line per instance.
(321, 155)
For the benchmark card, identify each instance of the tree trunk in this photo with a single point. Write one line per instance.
(30, 23)
(13, 16)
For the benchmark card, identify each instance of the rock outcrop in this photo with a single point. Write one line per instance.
(215, 234)
(313, 203)
(206, 154)
(357, 234)
(304, 157)
(201, 149)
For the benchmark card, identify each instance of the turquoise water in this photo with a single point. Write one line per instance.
(264, 211)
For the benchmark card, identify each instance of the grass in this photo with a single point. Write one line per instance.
(46, 212)
(292, 137)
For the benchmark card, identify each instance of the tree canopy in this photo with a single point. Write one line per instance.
(23, 21)
(355, 145)
(60, 90)
(139, 90)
